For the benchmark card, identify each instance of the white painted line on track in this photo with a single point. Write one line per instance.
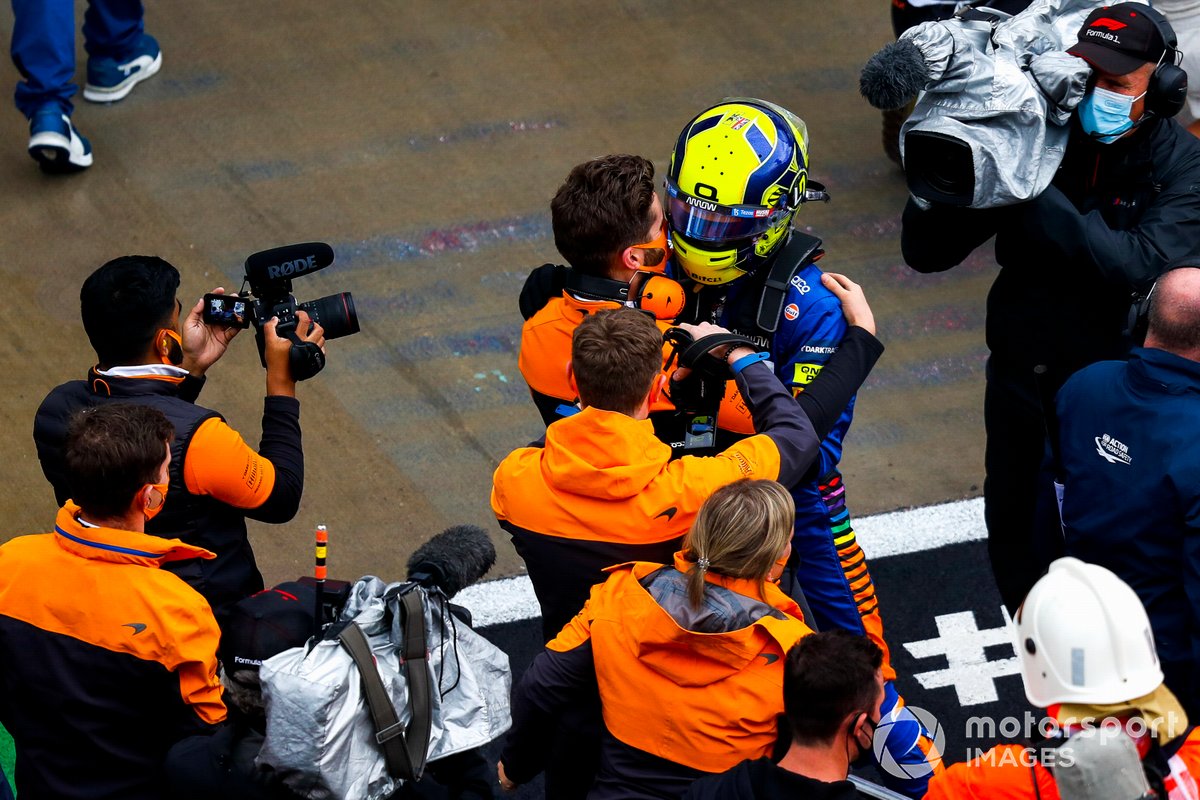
(917, 529)
(880, 536)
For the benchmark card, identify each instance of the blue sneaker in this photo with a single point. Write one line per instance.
(109, 80)
(55, 143)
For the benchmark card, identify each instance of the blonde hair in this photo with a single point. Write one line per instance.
(739, 533)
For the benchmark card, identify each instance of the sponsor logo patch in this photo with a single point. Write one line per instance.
(801, 284)
(1112, 450)
(791, 311)
(805, 374)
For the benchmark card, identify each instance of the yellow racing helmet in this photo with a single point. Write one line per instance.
(738, 173)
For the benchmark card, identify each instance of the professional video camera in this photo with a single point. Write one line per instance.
(270, 274)
(996, 92)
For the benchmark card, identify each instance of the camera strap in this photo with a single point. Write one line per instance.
(404, 748)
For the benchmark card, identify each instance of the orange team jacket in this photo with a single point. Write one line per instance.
(700, 688)
(546, 350)
(603, 490)
(108, 660)
(1006, 772)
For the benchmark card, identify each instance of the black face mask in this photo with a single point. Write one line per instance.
(865, 754)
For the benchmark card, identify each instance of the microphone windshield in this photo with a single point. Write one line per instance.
(894, 75)
(454, 559)
(284, 263)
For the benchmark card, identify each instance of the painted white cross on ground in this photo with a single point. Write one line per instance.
(968, 669)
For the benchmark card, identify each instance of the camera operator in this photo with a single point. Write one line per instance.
(1123, 203)
(146, 354)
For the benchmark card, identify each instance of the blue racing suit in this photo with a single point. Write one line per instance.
(828, 564)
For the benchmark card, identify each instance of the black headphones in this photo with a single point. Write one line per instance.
(1168, 85)
(1139, 313)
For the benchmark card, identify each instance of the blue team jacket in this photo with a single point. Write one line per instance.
(1130, 459)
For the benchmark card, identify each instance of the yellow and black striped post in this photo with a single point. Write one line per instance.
(322, 551)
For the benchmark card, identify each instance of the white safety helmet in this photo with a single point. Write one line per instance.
(1084, 637)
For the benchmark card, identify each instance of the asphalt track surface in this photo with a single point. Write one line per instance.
(424, 141)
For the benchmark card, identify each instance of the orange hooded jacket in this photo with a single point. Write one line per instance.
(604, 490)
(714, 697)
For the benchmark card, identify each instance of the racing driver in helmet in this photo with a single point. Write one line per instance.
(738, 174)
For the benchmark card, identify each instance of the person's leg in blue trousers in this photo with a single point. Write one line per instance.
(43, 49)
(112, 28)
(43, 45)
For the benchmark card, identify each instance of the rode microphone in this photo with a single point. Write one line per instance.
(276, 267)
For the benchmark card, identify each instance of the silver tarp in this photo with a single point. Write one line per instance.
(320, 736)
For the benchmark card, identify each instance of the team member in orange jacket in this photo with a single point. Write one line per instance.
(602, 489)
(148, 355)
(609, 226)
(1087, 656)
(108, 660)
(832, 700)
(688, 659)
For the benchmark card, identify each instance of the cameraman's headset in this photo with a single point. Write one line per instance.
(1167, 92)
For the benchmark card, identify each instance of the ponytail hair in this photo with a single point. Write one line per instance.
(739, 533)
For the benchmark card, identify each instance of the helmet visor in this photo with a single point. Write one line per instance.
(707, 221)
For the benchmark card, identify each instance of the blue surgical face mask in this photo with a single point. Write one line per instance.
(1105, 114)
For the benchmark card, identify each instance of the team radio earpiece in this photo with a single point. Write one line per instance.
(170, 346)
(1167, 92)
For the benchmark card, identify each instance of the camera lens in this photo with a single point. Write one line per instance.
(939, 167)
(335, 313)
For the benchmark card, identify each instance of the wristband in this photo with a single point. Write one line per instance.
(737, 366)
